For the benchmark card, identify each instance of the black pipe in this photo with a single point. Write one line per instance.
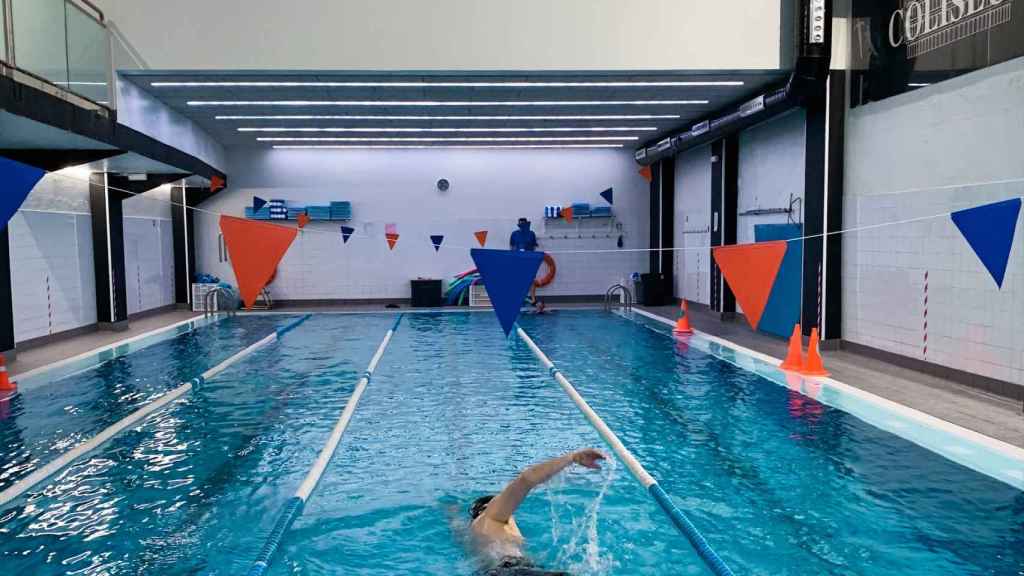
(807, 79)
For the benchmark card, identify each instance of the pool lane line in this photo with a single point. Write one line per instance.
(293, 507)
(108, 433)
(685, 526)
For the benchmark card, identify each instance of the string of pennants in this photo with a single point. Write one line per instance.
(750, 269)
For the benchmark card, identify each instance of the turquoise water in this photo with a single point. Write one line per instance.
(778, 483)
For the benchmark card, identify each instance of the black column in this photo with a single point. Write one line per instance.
(108, 253)
(184, 246)
(6, 297)
(654, 260)
(823, 210)
(724, 198)
(668, 214)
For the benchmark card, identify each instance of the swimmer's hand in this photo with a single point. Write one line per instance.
(588, 458)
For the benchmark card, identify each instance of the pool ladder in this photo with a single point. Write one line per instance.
(625, 301)
(210, 301)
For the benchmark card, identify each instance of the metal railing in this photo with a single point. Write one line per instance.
(625, 300)
(211, 303)
(60, 46)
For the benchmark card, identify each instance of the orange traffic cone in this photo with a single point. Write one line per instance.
(5, 384)
(794, 358)
(683, 323)
(813, 365)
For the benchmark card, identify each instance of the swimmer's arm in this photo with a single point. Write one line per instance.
(505, 504)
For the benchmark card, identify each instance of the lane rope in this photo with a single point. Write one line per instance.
(108, 433)
(294, 506)
(685, 526)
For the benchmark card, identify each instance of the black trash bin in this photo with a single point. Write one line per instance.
(651, 290)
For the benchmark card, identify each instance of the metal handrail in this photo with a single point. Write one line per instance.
(627, 302)
(102, 19)
(210, 299)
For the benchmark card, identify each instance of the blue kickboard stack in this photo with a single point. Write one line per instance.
(341, 210)
(318, 212)
(600, 211)
(279, 210)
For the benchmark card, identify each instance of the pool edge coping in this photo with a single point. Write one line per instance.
(81, 356)
(1005, 448)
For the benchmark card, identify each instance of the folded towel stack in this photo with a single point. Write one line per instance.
(600, 211)
(278, 210)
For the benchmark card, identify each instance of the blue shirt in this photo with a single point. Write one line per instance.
(523, 240)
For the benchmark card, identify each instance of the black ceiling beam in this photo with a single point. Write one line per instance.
(100, 125)
(56, 159)
(125, 187)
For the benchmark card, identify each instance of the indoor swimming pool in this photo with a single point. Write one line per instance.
(778, 482)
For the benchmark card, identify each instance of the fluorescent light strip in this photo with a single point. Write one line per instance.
(442, 146)
(425, 103)
(511, 84)
(376, 117)
(559, 129)
(458, 139)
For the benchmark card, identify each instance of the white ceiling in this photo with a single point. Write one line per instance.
(452, 109)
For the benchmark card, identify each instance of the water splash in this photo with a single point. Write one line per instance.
(582, 554)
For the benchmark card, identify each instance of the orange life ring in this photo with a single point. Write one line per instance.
(550, 276)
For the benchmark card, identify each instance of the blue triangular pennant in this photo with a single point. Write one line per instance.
(346, 233)
(437, 239)
(258, 203)
(18, 180)
(989, 229)
(607, 195)
(507, 275)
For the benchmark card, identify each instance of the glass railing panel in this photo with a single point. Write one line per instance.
(40, 39)
(88, 56)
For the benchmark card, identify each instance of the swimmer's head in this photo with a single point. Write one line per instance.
(524, 224)
(479, 505)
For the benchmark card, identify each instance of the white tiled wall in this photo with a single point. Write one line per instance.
(52, 276)
(490, 190)
(950, 146)
(148, 263)
(692, 225)
(771, 171)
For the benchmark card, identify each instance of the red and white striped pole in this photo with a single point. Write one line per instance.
(925, 329)
(819, 297)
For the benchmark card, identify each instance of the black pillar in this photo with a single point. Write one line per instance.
(724, 199)
(662, 192)
(6, 297)
(184, 246)
(108, 253)
(823, 210)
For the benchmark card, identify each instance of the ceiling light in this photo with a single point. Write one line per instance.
(457, 139)
(431, 84)
(376, 117)
(443, 146)
(426, 103)
(558, 129)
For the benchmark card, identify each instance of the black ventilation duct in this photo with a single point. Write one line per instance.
(806, 81)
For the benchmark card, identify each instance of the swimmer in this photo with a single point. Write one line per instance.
(494, 530)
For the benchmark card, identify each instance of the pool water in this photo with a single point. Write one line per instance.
(777, 482)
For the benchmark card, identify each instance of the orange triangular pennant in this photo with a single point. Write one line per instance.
(481, 237)
(645, 171)
(255, 249)
(302, 219)
(567, 214)
(750, 270)
(392, 240)
(216, 183)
